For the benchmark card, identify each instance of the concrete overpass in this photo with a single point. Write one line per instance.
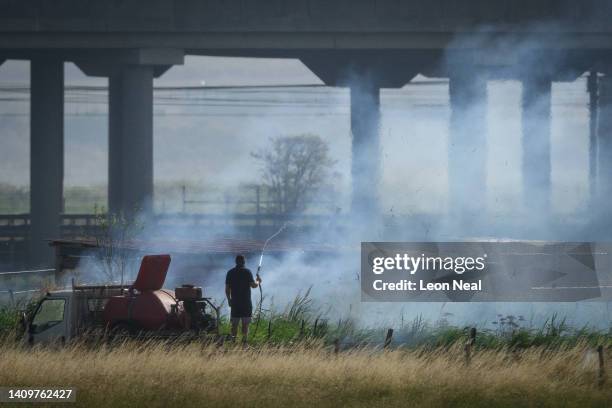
(362, 44)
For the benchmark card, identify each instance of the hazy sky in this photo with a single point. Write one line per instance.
(207, 136)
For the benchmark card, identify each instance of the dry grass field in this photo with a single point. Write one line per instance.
(160, 375)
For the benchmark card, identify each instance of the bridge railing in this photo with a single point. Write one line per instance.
(15, 228)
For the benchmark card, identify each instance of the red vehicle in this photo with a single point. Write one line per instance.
(141, 308)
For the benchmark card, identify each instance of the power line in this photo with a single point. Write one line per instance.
(104, 88)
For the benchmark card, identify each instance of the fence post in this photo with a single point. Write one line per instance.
(388, 338)
(302, 329)
(336, 346)
(602, 370)
(314, 330)
(469, 344)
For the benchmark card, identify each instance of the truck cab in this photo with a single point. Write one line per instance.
(65, 314)
(50, 322)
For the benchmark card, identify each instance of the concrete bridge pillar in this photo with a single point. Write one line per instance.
(365, 73)
(593, 90)
(604, 137)
(467, 146)
(46, 157)
(365, 147)
(536, 164)
(130, 140)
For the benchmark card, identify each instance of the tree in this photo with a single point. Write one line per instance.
(116, 232)
(294, 168)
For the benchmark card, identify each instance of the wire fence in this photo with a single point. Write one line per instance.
(17, 286)
(183, 198)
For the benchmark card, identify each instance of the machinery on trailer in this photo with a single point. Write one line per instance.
(142, 308)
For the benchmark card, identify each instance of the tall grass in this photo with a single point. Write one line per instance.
(162, 375)
(300, 321)
(290, 363)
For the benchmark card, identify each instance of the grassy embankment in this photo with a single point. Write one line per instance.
(553, 365)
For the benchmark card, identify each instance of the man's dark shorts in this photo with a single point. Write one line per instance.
(242, 309)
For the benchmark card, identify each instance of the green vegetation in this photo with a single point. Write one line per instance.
(77, 199)
(9, 319)
(301, 321)
(168, 198)
(14, 199)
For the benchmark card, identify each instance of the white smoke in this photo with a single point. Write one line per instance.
(414, 186)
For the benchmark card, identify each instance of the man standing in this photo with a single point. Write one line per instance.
(238, 284)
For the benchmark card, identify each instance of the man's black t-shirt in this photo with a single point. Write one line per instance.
(239, 280)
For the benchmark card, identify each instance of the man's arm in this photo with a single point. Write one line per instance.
(228, 294)
(255, 283)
